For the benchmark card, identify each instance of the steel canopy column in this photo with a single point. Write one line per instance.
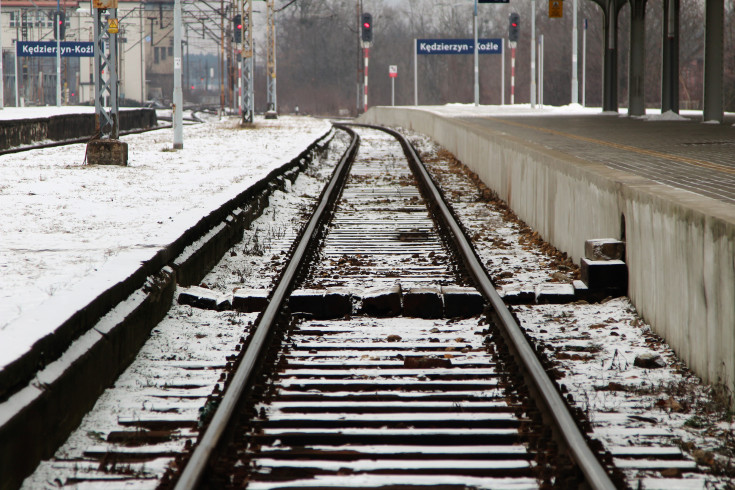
(610, 10)
(636, 71)
(670, 62)
(713, 64)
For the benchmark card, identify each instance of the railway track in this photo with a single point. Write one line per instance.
(372, 365)
(439, 409)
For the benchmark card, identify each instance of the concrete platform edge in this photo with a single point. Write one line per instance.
(679, 245)
(18, 132)
(38, 414)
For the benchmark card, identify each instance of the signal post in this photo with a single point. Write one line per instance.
(513, 22)
(366, 41)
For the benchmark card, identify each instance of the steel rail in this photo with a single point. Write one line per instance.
(200, 457)
(595, 474)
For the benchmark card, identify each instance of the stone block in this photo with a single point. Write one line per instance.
(581, 291)
(423, 302)
(610, 276)
(337, 303)
(554, 293)
(310, 301)
(198, 297)
(512, 295)
(250, 300)
(382, 301)
(107, 152)
(462, 302)
(604, 249)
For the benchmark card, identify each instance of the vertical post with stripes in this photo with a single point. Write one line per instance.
(512, 73)
(365, 95)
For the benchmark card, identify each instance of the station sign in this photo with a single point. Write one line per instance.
(70, 49)
(458, 46)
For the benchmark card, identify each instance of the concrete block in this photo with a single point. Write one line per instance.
(250, 300)
(224, 303)
(608, 275)
(462, 302)
(382, 301)
(604, 249)
(337, 303)
(309, 301)
(107, 152)
(198, 297)
(423, 302)
(554, 293)
(512, 295)
(581, 291)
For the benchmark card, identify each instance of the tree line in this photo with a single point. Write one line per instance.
(320, 63)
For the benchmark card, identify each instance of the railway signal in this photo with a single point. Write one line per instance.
(367, 28)
(237, 31)
(513, 21)
(60, 27)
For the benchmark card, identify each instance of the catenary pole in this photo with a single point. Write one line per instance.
(2, 85)
(533, 53)
(57, 20)
(575, 82)
(584, 63)
(476, 68)
(17, 82)
(178, 106)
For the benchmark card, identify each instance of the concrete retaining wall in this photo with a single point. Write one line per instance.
(18, 132)
(680, 246)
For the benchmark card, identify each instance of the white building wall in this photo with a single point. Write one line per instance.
(131, 52)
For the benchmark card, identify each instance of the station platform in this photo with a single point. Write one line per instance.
(662, 183)
(682, 153)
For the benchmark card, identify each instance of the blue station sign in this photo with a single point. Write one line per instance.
(48, 48)
(458, 46)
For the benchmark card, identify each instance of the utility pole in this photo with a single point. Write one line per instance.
(272, 101)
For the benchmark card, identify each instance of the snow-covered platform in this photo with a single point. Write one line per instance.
(664, 184)
(76, 240)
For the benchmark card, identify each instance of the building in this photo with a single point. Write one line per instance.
(145, 52)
